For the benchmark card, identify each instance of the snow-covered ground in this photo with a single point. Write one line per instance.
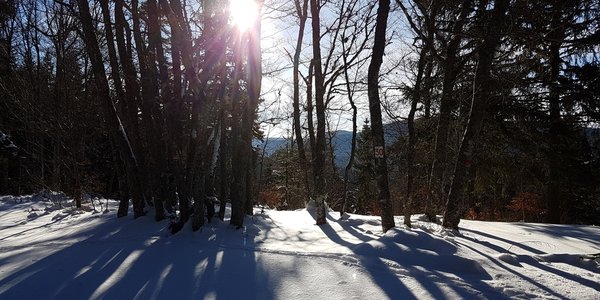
(47, 252)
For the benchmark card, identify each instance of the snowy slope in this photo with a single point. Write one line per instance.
(51, 253)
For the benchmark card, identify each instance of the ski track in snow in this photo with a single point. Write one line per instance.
(48, 252)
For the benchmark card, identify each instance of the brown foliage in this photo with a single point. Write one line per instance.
(529, 205)
(271, 198)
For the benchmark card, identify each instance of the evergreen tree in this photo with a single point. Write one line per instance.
(366, 186)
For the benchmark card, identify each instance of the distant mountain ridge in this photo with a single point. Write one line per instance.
(342, 141)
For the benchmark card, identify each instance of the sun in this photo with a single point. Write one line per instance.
(243, 13)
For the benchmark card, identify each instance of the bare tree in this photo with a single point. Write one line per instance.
(425, 33)
(381, 172)
(320, 145)
(352, 57)
(302, 13)
(113, 121)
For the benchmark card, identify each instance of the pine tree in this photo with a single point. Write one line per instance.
(364, 166)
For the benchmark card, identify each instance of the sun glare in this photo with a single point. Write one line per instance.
(243, 13)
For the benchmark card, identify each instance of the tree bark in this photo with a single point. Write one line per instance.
(159, 138)
(553, 190)
(320, 146)
(132, 88)
(149, 95)
(114, 66)
(254, 80)
(113, 122)
(302, 12)
(381, 172)
(354, 130)
(112, 55)
(238, 160)
(242, 202)
(436, 186)
(193, 185)
(224, 159)
(416, 98)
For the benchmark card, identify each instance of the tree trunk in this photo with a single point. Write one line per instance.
(254, 80)
(112, 55)
(416, 98)
(150, 94)
(354, 130)
(553, 190)
(114, 65)
(455, 207)
(302, 15)
(177, 111)
(436, 186)
(320, 146)
(243, 159)
(250, 201)
(238, 160)
(113, 122)
(132, 88)
(310, 109)
(381, 172)
(223, 166)
(159, 138)
(195, 172)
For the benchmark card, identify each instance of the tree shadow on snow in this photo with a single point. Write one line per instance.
(512, 243)
(128, 265)
(417, 255)
(583, 233)
(536, 263)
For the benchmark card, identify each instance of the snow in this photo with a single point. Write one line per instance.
(50, 251)
(7, 144)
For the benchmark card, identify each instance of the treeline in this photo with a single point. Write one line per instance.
(151, 101)
(516, 86)
(498, 104)
(156, 101)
